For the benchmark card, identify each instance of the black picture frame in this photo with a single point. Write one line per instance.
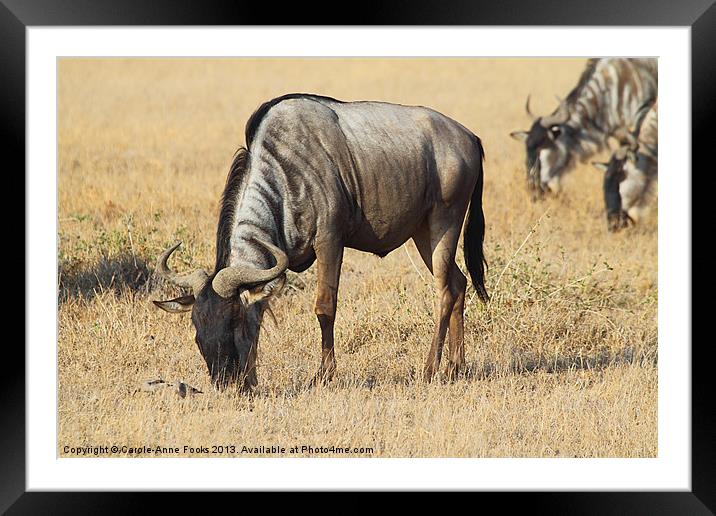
(17, 15)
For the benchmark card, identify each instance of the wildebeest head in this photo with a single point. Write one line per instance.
(226, 310)
(616, 170)
(549, 144)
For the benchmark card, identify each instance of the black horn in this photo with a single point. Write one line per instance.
(194, 280)
(527, 108)
(560, 116)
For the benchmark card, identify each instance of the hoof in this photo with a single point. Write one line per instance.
(452, 371)
(428, 374)
(322, 377)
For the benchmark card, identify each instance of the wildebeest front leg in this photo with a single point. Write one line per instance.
(328, 259)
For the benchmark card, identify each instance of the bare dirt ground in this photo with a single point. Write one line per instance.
(562, 362)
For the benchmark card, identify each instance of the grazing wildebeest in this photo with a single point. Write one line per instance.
(319, 175)
(608, 97)
(631, 171)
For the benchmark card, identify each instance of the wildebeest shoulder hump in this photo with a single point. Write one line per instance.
(255, 119)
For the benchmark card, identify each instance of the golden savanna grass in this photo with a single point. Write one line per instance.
(562, 362)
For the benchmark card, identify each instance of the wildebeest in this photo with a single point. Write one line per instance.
(608, 97)
(631, 170)
(319, 175)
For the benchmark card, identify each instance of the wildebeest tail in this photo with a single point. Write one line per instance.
(474, 235)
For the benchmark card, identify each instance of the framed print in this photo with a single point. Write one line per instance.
(468, 207)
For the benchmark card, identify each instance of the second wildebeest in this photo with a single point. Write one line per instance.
(632, 170)
(608, 96)
(320, 175)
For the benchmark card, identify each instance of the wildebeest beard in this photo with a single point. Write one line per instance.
(227, 334)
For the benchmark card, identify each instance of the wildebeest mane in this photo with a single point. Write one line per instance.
(641, 115)
(254, 120)
(228, 206)
(583, 80)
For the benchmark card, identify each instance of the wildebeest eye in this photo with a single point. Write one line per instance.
(555, 131)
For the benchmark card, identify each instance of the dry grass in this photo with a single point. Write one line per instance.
(561, 363)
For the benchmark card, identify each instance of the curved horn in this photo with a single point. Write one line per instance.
(527, 108)
(560, 116)
(194, 280)
(229, 279)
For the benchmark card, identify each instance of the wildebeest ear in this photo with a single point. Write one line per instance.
(176, 305)
(600, 166)
(520, 136)
(264, 291)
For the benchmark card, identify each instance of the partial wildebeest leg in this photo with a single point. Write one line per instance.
(456, 358)
(437, 245)
(328, 259)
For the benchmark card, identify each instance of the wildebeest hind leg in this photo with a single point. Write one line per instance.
(328, 258)
(456, 356)
(441, 241)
